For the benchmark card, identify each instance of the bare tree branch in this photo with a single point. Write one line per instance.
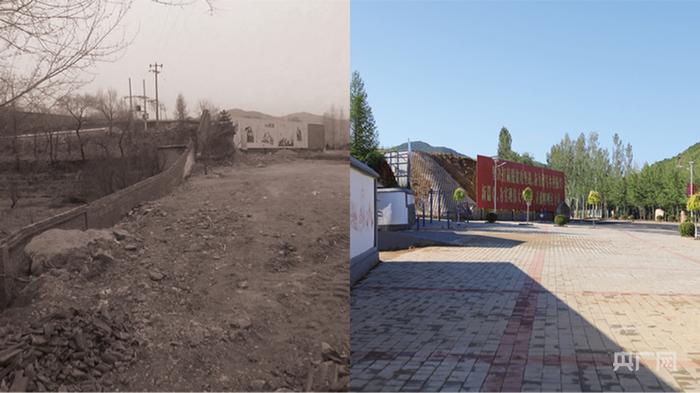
(47, 45)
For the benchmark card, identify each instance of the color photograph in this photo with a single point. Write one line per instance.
(524, 196)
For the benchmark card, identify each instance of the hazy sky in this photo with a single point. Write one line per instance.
(276, 57)
(453, 73)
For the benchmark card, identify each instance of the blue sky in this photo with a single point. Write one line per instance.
(452, 73)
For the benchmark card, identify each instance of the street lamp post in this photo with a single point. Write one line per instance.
(692, 191)
(495, 183)
(690, 164)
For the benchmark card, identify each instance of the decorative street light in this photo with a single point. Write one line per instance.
(690, 166)
(495, 183)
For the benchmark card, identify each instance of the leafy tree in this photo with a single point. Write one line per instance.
(594, 199)
(363, 137)
(693, 205)
(527, 197)
(458, 196)
(505, 144)
(588, 165)
(527, 159)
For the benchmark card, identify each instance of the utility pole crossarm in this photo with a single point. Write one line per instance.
(156, 69)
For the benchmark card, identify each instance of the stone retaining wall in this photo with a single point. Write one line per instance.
(101, 213)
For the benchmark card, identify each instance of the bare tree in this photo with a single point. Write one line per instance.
(110, 106)
(113, 108)
(78, 107)
(206, 105)
(180, 108)
(337, 129)
(46, 45)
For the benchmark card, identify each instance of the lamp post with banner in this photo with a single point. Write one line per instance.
(495, 182)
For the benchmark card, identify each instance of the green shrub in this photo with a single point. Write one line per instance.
(491, 217)
(659, 218)
(560, 220)
(374, 159)
(687, 229)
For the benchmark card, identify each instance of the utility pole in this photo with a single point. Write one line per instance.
(145, 111)
(131, 105)
(154, 68)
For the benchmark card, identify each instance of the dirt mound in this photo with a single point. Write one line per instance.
(65, 351)
(285, 153)
(230, 283)
(73, 249)
(386, 174)
(462, 169)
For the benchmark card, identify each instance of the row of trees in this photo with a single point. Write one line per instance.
(624, 189)
(72, 112)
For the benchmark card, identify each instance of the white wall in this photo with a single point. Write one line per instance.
(362, 205)
(270, 133)
(392, 208)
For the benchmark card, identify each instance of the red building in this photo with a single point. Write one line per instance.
(511, 179)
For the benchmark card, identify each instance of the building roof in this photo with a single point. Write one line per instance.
(395, 189)
(362, 167)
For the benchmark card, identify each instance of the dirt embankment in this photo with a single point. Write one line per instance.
(462, 169)
(236, 281)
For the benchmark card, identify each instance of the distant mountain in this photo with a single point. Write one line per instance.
(249, 114)
(690, 154)
(305, 117)
(426, 148)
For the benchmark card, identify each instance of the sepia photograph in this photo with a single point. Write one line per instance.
(349, 195)
(174, 199)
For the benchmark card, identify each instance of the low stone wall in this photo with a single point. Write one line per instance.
(101, 213)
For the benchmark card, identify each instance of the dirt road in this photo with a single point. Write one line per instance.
(233, 282)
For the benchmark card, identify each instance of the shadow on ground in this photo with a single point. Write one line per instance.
(405, 239)
(477, 326)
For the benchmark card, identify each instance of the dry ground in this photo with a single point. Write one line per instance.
(231, 283)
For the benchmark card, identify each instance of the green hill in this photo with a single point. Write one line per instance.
(426, 148)
(690, 154)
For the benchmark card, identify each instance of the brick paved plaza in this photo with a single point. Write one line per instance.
(532, 308)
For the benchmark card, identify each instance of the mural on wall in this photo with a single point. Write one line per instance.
(267, 139)
(362, 212)
(284, 142)
(271, 133)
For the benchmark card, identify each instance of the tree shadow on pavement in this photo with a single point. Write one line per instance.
(407, 239)
(478, 326)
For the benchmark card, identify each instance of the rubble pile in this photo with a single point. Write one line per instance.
(65, 351)
(331, 374)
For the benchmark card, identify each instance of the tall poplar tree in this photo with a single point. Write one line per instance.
(363, 137)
